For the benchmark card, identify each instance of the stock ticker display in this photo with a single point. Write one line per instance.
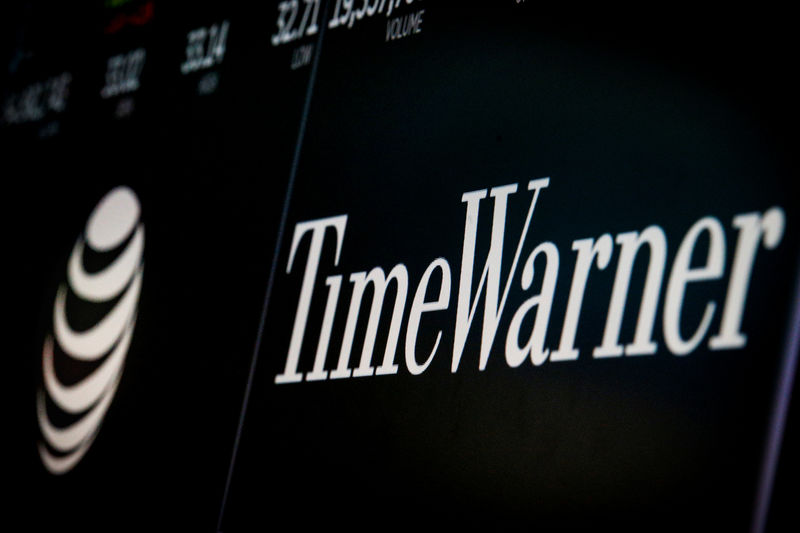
(399, 263)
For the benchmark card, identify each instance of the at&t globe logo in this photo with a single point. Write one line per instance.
(93, 320)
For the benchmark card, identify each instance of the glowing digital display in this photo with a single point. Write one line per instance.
(407, 264)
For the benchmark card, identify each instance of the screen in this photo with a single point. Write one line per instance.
(399, 263)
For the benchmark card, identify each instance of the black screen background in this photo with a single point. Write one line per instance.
(637, 120)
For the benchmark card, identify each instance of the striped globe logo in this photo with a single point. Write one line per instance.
(70, 420)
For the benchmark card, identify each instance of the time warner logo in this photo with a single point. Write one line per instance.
(114, 239)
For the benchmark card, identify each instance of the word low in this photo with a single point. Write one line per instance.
(755, 230)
